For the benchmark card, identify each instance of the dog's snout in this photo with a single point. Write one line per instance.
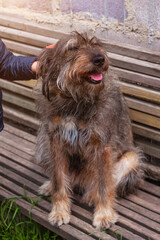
(98, 61)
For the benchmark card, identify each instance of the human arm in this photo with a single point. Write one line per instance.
(16, 67)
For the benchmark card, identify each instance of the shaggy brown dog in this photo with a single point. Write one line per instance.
(85, 137)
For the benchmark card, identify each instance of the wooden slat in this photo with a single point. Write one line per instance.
(23, 162)
(19, 117)
(17, 132)
(22, 48)
(145, 118)
(141, 92)
(144, 232)
(148, 197)
(12, 149)
(139, 218)
(144, 203)
(132, 51)
(22, 170)
(142, 106)
(26, 37)
(17, 140)
(152, 171)
(122, 220)
(137, 77)
(28, 26)
(151, 188)
(139, 209)
(114, 47)
(16, 145)
(149, 148)
(18, 89)
(19, 100)
(146, 131)
(133, 64)
(77, 223)
(74, 221)
(40, 216)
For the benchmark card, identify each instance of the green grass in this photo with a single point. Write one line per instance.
(14, 226)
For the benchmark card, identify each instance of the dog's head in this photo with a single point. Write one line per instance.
(76, 65)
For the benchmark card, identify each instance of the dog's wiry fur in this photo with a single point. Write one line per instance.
(85, 136)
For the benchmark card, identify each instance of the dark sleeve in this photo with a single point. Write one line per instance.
(1, 112)
(15, 67)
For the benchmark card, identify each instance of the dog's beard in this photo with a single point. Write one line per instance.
(76, 85)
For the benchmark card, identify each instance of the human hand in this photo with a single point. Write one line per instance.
(34, 66)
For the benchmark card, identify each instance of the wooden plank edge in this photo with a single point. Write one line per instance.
(18, 89)
(145, 131)
(140, 92)
(20, 117)
(136, 77)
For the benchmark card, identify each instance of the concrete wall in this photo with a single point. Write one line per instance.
(131, 21)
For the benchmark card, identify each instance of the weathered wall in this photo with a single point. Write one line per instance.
(130, 21)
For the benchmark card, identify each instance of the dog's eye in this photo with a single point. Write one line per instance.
(74, 48)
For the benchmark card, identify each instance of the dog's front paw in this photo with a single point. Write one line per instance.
(57, 218)
(45, 189)
(103, 219)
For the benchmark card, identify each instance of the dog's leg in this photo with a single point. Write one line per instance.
(60, 213)
(104, 214)
(127, 173)
(45, 189)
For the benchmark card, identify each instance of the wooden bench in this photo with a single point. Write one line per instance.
(138, 70)
(139, 216)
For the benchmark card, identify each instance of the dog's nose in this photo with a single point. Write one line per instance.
(98, 61)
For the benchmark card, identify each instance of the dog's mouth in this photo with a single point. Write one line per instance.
(95, 78)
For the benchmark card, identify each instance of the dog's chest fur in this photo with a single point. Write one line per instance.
(74, 134)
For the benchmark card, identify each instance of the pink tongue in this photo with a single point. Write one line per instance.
(96, 77)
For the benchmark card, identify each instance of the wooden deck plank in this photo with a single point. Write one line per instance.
(46, 206)
(122, 220)
(139, 215)
(20, 133)
(144, 232)
(143, 203)
(150, 198)
(20, 191)
(27, 173)
(22, 143)
(139, 209)
(12, 149)
(19, 146)
(23, 162)
(151, 188)
(131, 214)
(40, 216)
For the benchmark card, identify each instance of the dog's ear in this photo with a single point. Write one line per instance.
(47, 68)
